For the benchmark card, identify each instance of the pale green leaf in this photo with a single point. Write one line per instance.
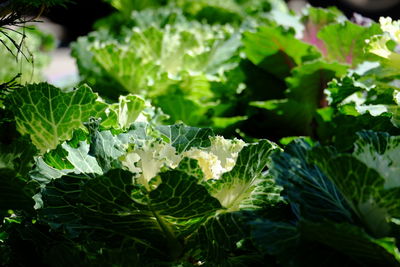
(381, 152)
(246, 187)
(49, 115)
(184, 137)
(345, 42)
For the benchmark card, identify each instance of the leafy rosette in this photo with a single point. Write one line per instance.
(107, 177)
(197, 64)
(156, 188)
(296, 64)
(348, 202)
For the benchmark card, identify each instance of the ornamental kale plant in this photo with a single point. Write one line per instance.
(156, 190)
(272, 66)
(161, 156)
(187, 67)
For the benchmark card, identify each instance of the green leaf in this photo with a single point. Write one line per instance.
(68, 159)
(191, 167)
(222, 123)
(221, 239)
(284, 19)
(361, 187)
(310, 192)
(18, 156)
(345, 42)
(138, 134)
(369, 94)
(395, 110)
(314, 20)
(121, 66)
(246, 187)
(184, 137)
(49, 115)
(44, 173)
(177, 106)
(181, 197)
(309, 80)
(274, 237)
(339, 90)
(332, 190)
(111, 206)
(127, 6)
(371, 196)
(157, 208)
(15, 193)
(81, 160)
(353, 241)
(89, 154)
(345, 128)
(142, 149)
(127, 111)
(383, 44)
(381, 152)
(160, 17)
(107, 149)
(277, 51)
(305, 94)
(229, 11)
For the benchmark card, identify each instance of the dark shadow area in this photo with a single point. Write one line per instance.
(374, 10)
(78, 17)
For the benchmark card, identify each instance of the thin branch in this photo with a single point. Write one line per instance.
(8, 87)
(16, 45)
(11, 29)
(5, 45)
